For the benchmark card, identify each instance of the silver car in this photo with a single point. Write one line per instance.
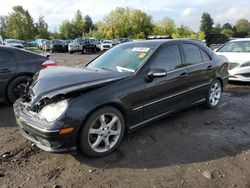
(238, 54)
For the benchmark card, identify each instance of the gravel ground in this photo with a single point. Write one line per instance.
(194, 148)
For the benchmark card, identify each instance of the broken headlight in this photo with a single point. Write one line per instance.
(53, 111)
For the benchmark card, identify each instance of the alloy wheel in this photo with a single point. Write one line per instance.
(215, 94)
(104, 132)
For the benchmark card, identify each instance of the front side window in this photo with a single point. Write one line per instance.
(124, 58)
(168, 58)
(192, 54)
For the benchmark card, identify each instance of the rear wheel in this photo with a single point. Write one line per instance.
(17, 88)
(214, 94)
(102, 133)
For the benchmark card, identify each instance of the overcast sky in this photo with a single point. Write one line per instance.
(182, 11)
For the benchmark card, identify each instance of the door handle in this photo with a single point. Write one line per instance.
(209, 67)
(4, 70)
(183, 75)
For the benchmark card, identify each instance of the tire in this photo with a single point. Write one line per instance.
(214, 94)
(12, 90)
(70, 52)
(102, 132)
(83, 51)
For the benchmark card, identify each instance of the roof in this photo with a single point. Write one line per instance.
(157, 42)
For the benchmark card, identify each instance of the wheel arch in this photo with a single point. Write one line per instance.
(115, 105)
(14, 77)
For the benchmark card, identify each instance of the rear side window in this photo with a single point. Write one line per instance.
(5, 56)
(168, 58)
(192, 54)
(205, 56)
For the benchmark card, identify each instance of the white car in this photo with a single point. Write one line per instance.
(75, 46)
(13, 43)
(238, 54)
(1, 40)
(105, 45)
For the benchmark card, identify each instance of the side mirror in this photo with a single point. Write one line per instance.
(155, 73)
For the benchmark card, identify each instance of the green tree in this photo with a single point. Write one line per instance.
(206, 23)
(183, 32)
(228, 32)
(242, 28)
(20, 24)
(227, 26)
(41, 28)
(66, 30)
(166, 26)
(88, 24)
(217, 29)
(126, 22)
(78, 24)
(3, 26)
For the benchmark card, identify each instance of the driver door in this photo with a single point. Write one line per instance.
(167, 93)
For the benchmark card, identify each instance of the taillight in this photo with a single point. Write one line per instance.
(49, 63)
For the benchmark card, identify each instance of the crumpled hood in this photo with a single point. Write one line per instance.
(53, 81)
(235, 57)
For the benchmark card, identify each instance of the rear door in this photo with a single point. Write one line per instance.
(165, 94)
(7, 68)
(200, 68)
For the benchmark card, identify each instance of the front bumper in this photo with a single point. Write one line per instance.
(46, 139)
(240, 74)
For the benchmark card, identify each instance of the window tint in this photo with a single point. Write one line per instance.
(192, 54)
(168, 58)
(205, 56)
(5, 56)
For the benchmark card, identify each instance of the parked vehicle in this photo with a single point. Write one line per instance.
(46, 45)
(16, 67)
(13, 43)
(57, 45)
(82, 45)
(66, 44)
(153, 37)
(123, 40)
(115, 42)
(132, 84)
(75, 46)
(104, 45)
(40, 43)
(33, 43)
(214, 41)
(238, 53)
(1, 40)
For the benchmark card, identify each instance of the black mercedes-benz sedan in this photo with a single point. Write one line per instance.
(90, 109)
(16, 67)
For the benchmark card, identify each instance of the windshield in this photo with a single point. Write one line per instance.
(57, 42)
(125, 58)
(236, 46)
(106, 42)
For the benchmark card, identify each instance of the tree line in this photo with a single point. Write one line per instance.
(120, 22)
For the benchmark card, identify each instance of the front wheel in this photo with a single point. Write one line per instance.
(214, 94)
(102, 132)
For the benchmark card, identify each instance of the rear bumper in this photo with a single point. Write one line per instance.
(45, 139)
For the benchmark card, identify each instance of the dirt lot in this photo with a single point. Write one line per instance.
(194, 148)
